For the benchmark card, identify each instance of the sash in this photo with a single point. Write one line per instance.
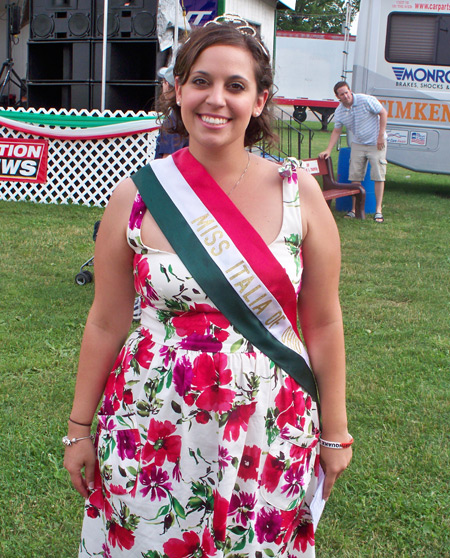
(228, 259)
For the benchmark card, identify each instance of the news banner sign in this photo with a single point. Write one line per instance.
(23, 160)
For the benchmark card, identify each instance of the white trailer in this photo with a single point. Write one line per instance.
(307, 66)
(402, 57)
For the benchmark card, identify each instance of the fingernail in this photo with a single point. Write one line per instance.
(91, 486)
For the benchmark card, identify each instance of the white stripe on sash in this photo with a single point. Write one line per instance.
(236, 269)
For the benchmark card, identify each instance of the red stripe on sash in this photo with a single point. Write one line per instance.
(247, 240)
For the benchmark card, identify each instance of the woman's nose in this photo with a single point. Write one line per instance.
(216, 95)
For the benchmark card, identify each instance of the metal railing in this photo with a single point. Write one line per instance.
(291, 137)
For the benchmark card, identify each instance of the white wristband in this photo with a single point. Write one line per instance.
(336, 445)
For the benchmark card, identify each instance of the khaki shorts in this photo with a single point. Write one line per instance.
(360, 155)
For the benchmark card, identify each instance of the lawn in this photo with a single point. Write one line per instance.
(394, 499)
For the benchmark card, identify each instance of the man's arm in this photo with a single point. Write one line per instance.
(333, 140)
(383, 122)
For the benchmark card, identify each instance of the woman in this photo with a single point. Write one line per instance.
(206, 445)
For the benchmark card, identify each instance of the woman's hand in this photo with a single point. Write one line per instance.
(78, 457)
(334, 462)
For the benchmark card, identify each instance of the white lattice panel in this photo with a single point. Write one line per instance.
(83, 172)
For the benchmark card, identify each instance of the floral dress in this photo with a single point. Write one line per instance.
(205, 447)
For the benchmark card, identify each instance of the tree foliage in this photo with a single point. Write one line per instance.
(320, 16)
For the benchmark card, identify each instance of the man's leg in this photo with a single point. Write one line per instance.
(378, 174)
(379, 191)
(358, 165)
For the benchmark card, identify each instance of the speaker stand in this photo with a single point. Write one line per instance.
(11, 75)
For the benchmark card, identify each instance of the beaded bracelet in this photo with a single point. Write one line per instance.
(336, 445)
(70, 441)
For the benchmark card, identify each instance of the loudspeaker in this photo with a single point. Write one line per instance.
(59, 61)
(59, 95)
(125, 96)
(60, 19)
(14, 21)
(135, 19)
(125, 60)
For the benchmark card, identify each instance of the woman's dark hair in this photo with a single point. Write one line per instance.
(200, 39)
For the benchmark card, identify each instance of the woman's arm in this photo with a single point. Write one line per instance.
(321, 322)
(106, 328)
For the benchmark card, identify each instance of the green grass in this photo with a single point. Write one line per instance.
(394, 499)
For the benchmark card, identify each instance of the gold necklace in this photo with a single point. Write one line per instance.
(242, 175)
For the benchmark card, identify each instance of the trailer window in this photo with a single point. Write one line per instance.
(418, 39)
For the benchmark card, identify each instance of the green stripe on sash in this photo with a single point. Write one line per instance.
(211, 279)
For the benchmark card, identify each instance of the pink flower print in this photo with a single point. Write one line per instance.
(176, 473)
(120, 536)
(304, 536)
(238, 419)
(143, 354)
(209, 376)
(190, 546)
(242, 505)
(116, 489)
(127, 443)
(248, 468)
(155, 480)
(224, 458)
(187, 324)
(161, 444)
(290, 402)
(294, 481)
(142, 283)
(182, 375)
(141, 272)
(202, 417)
(268, 525)
(169, 355)
(204, 343)
(271, 475)
(220, 511)
(114, 389)
(137, 213)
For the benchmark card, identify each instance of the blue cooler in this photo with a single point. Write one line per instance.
(345, 204)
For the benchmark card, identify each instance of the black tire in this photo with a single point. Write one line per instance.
(80, 278)
(89, 276)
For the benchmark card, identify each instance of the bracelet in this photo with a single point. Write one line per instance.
(80, 423)
(336, 445)
(70, 441)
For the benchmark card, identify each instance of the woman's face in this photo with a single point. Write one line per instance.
(219, 97)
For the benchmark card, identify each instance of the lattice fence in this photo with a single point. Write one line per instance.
(83, 172)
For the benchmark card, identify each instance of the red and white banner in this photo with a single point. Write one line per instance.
(23, 160)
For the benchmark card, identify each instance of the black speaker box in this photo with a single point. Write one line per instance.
(14, 22)
(125, 60)
(123, 96)
(59, 61)
(60, 19)
(135, 19)
(59, 95)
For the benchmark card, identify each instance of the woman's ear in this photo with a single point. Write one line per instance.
(260, 102)
(177, 90)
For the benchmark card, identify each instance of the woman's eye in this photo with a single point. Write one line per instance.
(199, 81)
(236, 86)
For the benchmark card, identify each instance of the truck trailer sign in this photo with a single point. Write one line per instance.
(23, 160)
(435, 78)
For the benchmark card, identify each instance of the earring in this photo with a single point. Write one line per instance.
(179, 102)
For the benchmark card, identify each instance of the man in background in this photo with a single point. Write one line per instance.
(365, 118)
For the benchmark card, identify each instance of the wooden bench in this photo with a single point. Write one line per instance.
(332, 189)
